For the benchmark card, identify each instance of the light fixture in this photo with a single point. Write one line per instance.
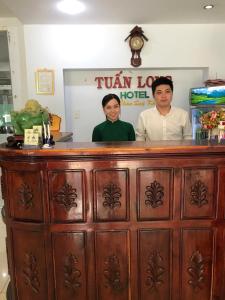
(71, 7)
(209, 6)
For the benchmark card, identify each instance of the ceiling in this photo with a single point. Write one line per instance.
(117, 12)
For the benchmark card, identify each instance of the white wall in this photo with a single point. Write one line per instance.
(61, 47)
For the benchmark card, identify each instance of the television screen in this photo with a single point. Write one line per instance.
(213, 95)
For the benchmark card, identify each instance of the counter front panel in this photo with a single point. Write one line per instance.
(116, 226)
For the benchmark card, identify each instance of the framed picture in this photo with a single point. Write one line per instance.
(44, 82)
(207, 96)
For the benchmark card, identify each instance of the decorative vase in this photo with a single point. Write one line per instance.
(221, 131)
(213, 133)
(209, 134)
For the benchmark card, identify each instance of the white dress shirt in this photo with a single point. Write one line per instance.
(153, 126)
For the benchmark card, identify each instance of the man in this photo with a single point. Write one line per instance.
(163, 122)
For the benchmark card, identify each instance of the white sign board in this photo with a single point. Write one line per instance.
(84, 90)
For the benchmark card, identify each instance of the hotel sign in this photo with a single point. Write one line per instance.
(136, 87)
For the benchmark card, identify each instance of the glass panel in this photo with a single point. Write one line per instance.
(6, 99)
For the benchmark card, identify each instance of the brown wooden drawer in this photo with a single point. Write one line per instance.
(26, 194)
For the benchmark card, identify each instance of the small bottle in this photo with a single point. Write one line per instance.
(221, 128)
(198, 134)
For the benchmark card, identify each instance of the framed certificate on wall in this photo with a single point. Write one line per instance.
(44, 79)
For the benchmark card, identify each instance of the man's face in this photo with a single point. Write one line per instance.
(163, 96)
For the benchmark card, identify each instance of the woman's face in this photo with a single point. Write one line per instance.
(112, 110)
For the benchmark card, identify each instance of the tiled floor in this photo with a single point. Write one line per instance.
(4, 278)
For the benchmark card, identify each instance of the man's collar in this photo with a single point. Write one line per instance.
(170, 111)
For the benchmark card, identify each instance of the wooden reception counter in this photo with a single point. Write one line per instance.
(116, 221)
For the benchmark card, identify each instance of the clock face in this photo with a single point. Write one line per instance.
(136, 43)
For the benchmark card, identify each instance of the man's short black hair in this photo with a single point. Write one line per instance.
(109, 97)
(161, 80)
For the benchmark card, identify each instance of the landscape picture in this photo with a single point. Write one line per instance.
(213, 95)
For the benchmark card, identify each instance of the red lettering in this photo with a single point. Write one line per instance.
(139, 85)
(127, 82)
(108, 82)
(149, 80)
(117, 83)
(99, 79)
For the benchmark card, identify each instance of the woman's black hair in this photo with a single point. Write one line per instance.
(159, 81)
(109, 97)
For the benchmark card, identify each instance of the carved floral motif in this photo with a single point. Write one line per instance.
(199, 194)
(3, 188)
(112, 272)
(30, 272)
(155, 194)
(71, 273)
(112, 194)
(66, 196)
(26, 196)
(197, 271)
(155, 271)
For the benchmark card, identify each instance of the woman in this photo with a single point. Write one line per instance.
(112, 129)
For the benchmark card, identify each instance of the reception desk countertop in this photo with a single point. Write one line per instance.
(156, 148)
(62, 136)
(116, 221)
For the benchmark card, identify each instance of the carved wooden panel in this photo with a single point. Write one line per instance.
(112, 265)
(70, 265)
(196, 263)
(67, 196)
(111, 196)
(26, 195)
(30, 265)
(30, 272)
(154, 260)
(154, 193)
(200, 194)
(148, 233)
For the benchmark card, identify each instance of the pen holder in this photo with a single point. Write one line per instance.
(48, 141)
(47, 137)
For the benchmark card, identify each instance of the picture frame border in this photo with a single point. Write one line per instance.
(41, 84)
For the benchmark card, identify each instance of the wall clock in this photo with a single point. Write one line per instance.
(136, 43)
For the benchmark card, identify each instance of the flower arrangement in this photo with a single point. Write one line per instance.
(212, 119)
(32, 114)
